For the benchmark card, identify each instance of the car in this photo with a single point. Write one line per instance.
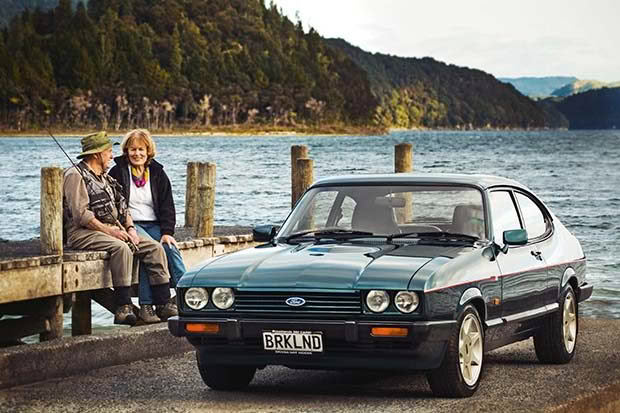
(392, 271)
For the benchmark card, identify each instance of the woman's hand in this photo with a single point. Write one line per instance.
(169, 239)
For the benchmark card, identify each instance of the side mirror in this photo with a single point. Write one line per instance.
(515, 237)
(264, 233)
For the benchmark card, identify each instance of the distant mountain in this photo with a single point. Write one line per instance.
(579, 86)
(537, 87)
(594, 109)
(426, 93)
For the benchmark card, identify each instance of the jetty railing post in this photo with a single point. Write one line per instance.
(81, 314)
(51, 242)
(297, 152)
(206, 200)
(191, 194)
(51, 210)
(305, 176)
(53, 312)
(403, 162)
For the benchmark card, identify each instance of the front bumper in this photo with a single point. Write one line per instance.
(584, 292)
(347, 343)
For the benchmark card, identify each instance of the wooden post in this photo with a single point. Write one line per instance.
(81, 316)
(51, 210)
(53, 312)
(206, 200)
(305, 176)
(297, 152)
(403, 162)
(403, 157)
(191, 194)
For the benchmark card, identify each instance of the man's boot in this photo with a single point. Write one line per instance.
(124, 310)
(124, 315)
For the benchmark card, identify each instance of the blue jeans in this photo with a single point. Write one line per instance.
(176, 268)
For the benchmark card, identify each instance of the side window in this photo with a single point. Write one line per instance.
(503, 214)
(532, 216)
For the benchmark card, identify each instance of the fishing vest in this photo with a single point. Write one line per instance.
(105, 196)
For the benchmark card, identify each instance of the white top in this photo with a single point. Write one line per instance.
(141, 201)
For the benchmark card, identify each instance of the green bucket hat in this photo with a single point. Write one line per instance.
(95, 143)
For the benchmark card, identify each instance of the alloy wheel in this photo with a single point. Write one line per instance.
(569, 319)
(470, 349)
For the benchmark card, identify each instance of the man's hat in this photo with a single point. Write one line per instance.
(95, 143)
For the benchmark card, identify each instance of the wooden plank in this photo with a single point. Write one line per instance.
(19, 284)
(16, 328)
(86, 275)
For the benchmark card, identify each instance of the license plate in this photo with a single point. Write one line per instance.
(293, 342)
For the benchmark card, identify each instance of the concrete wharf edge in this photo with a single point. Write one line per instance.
(74, 355)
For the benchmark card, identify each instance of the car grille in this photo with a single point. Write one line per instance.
(316, 303)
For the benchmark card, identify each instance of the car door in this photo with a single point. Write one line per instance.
(539, 226)
(522, 270)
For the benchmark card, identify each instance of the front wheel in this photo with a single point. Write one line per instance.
(461, 369)
(556, 342)
(223, 377)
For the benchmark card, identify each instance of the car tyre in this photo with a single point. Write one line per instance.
(223, 377)
(556, 342)
(460, 372)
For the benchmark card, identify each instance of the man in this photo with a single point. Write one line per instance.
(96, 218)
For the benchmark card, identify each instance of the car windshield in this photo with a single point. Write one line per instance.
(361, 210)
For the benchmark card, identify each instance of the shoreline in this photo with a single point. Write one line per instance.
(327, 131)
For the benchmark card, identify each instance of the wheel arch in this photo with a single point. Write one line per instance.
(474, 297)
(569, 277)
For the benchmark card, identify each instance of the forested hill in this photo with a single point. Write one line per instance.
(173, 64)
(594, 109)
(424, 92)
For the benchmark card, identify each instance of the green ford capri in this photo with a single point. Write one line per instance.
(400, 271)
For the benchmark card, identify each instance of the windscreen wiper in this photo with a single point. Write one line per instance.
(329, 232)
(447, 236)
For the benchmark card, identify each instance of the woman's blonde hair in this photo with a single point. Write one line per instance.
(142, 135)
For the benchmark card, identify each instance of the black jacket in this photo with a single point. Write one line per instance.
(161, 190)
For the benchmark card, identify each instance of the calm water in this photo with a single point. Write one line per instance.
(576, 173)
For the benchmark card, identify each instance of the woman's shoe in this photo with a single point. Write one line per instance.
(147, 314)
(165, 311)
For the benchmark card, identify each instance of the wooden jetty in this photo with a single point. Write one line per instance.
(39, 289)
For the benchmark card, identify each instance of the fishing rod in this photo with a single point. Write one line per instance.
(132, 245)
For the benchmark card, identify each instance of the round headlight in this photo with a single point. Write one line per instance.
(406, 301)
(223, 298)
(377, 300)
(196, 298)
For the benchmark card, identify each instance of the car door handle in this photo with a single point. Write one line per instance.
(537, 255)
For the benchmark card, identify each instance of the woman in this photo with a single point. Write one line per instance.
(149, 193)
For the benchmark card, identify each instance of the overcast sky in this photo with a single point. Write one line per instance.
(507, 38)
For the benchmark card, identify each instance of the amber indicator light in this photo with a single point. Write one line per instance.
(389, 332)
(202, 328)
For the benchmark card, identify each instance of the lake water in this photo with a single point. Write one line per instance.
(576, 173)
